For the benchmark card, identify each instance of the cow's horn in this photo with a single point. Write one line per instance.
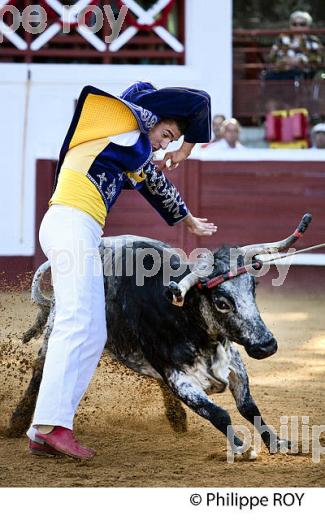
(180, 289)
(274, 247)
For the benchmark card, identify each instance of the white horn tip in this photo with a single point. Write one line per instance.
(178, 296)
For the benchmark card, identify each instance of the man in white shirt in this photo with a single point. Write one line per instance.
(230, 130)
(318, 136)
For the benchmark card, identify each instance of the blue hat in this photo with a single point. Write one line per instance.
(194, 106)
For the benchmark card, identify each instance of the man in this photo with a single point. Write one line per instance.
(296, 56)
(318, 136)
(108, 147)
(230, 130)
(217, 121)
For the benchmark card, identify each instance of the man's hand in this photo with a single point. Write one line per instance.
(174, 158)
(199, 226)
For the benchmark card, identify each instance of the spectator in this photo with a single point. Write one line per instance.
(217, 121)
(318, 136)
(296, 56)
(230, 130)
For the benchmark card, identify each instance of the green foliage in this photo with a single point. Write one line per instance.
(265, 14)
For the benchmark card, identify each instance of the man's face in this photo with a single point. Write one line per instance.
(299, 24)
(162, 134)
(216, 126)
(320, 140)
(231, 134)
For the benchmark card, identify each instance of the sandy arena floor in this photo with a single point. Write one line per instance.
(122, 415)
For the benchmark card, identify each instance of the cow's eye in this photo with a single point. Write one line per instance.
(223, 305)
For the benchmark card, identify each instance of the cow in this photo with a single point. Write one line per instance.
(188, 347)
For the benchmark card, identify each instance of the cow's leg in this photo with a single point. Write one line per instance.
(239, 386)
(174, 410)
(188, 391)
(22, 416)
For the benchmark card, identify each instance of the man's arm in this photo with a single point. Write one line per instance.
(163, 195)
(165, 198)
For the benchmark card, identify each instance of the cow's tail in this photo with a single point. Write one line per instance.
(42, 301)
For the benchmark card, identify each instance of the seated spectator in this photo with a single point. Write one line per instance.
(296, 56)
(217, 121)
(230, 130)
(318, 136)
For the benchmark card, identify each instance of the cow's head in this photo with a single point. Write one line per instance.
(234, 307)
(233, 301)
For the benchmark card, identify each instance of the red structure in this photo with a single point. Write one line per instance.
(250, 202)
(65, 41)
(287, 126)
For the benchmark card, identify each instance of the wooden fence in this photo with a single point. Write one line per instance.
(250, 202)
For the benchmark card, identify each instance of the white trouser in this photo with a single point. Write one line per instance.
(70, 239)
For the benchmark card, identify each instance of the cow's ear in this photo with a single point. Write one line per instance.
(219, 268)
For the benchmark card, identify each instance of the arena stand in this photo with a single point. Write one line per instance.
(252, 95)
(240, 193)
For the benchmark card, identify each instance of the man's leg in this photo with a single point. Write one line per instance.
(70, 238)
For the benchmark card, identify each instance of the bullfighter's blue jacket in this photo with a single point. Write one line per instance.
(89, 146)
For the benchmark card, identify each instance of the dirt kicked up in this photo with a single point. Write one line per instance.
(122, 414)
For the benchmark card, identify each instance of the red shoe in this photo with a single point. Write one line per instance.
(37, 448)
(62, 440)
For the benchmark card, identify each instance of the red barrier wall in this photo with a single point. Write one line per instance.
(249, 201)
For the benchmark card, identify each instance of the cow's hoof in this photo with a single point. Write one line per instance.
(248, 455)
(283, 445)
(280, 446)
(290, 448)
